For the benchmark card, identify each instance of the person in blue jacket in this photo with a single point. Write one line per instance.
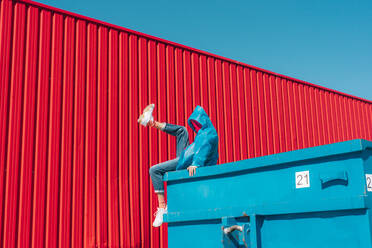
(202, 152)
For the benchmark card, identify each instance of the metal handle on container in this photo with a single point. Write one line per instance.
(230, 229)
(333, 178)
(234, 235)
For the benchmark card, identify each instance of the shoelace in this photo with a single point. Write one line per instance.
(157, 211)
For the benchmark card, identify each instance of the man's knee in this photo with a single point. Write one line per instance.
(153, 170)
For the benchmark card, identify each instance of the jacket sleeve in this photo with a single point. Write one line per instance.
(201, 154)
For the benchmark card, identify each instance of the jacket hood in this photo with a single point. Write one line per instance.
(200, 116)
(204, 150)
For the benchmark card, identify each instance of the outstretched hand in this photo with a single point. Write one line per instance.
(192, 170)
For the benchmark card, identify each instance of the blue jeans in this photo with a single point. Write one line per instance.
(157, 171)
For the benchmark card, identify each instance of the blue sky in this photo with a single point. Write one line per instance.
(326, 42)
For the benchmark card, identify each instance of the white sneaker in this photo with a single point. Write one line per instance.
(146, 115)
(159, 217)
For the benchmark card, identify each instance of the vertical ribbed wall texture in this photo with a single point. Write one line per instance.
(73, 160)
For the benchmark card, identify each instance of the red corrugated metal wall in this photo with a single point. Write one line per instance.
(73, 160)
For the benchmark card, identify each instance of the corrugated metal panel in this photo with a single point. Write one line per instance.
(73, 160)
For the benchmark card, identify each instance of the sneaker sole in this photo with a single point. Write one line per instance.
(148, 107)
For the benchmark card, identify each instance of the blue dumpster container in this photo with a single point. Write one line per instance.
(314, 197)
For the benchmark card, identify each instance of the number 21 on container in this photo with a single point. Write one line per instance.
(302, 179)
(369, 182)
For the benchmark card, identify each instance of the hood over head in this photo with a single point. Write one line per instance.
(200, 116)
(204, 150)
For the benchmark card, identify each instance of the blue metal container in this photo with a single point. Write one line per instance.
(314, 197)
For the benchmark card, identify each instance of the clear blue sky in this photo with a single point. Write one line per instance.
(326, 42)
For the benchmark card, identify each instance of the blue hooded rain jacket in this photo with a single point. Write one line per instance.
(204, 150)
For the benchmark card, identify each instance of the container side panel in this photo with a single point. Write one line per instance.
(211, 89)
(353, 113)
(261, 112)
(351, 118)
(330, 117)
(319, 117)
(369, 114)
(6, 36)
(195, 80)
(321, 120)
(304, 114)
(171, 106)
(171, 112)
(89, 238)
(66, 134)
(124, 193)
(133, 141)
(248, 97)
(204, 90)
(330, 110)
(161, 101)
(112, 162)
(153, 133)
(362, 122)
(354, 116)
(143, 144)
(325, 119)
(187, 88)
(28, 129)
(220, 113)
(226, 85)
(367, 121)
(79, 125)
(280, 115)
(241, 108)
(180, 93)
(342, 118)
(313, 135)
(345, 111)
(212, 94)
(255, 114)
(275, 112)
(268, 114)
(101, 172)
(235, 116)
(14, 128)
(336, 127)
(309, 116)
(358, 132)
(297, 115)
(54, 134)
(162, 113)
(41, 143)
(287, 115)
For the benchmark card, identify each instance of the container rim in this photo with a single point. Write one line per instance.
(311, 153)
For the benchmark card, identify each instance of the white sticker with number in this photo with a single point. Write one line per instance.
(302, 179)
(369, 182)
